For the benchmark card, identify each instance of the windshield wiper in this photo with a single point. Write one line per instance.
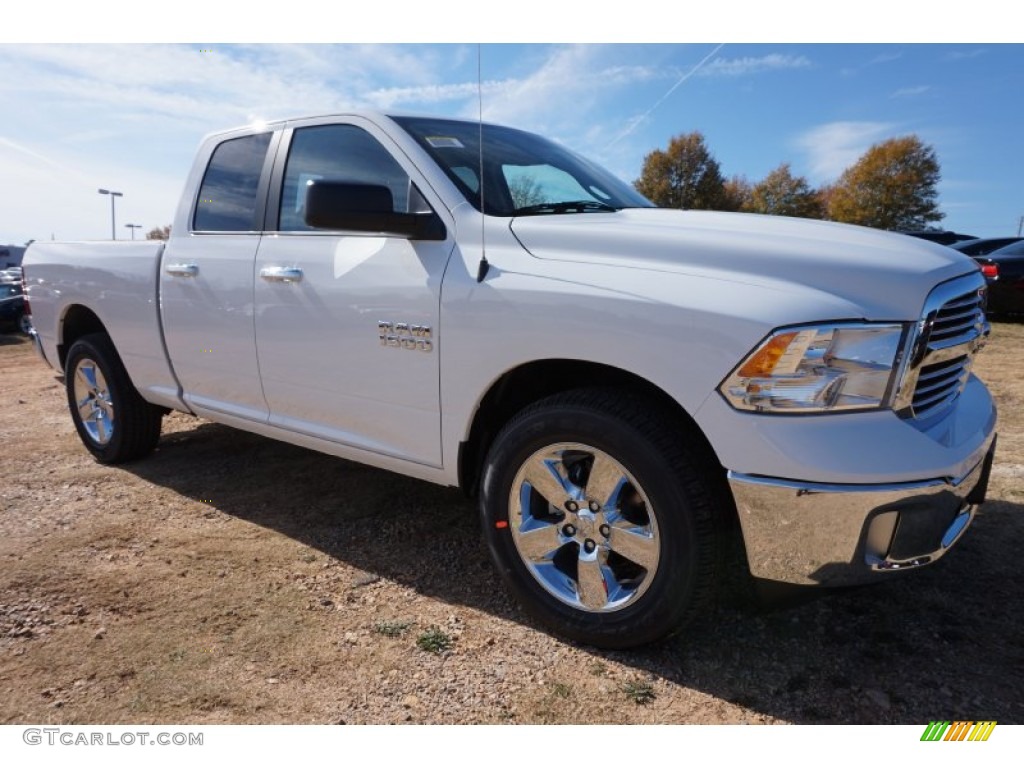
(568, 206)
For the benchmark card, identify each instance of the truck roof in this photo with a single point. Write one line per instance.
(374, 115)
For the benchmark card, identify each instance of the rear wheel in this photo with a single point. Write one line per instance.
(113, 421)
(599, 520)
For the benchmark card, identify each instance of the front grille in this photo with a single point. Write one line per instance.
(940, 383)
(952, 330)
(955, 318)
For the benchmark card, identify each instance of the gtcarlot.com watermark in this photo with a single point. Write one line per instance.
(70, 737)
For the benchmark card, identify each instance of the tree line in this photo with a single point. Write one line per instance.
(891, 186)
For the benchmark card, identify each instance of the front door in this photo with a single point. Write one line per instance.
(347, 323)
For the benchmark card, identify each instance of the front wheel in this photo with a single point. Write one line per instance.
(600, 520)
(113, 421)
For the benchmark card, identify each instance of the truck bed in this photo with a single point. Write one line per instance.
(118, 280)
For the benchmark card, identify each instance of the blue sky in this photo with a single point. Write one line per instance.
(129, 117)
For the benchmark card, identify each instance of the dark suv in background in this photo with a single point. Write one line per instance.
(12, 305)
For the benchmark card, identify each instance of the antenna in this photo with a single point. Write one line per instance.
(481, 271)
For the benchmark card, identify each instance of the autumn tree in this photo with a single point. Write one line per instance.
(159, 233)
(781, 193)
(736, 194)
(892, 186)
(685, 175)
(825, 193)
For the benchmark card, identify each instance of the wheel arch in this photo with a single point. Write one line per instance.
(76, 322)
(529, 382)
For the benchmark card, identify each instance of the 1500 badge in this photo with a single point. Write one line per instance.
(405, 336)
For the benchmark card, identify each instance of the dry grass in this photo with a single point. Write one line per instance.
(198, 586)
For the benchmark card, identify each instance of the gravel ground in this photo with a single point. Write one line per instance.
(231, 579)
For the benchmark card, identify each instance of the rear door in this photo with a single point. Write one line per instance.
(206, 281)
(347, 322)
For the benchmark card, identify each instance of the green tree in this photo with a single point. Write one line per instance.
(892, 186)
(159, 233)
(685, 175)
(781, 193)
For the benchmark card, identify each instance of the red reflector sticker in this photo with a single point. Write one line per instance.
(501, 524)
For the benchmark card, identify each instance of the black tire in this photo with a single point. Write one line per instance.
(655, 537)
(114, 422)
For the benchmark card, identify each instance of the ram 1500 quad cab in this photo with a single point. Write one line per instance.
(626, 388)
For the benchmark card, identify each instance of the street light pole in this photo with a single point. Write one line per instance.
(133, 227)
(113, 221)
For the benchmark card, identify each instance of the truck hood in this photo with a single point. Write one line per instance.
(887, 275)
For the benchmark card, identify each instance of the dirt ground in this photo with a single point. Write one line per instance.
(232, 579)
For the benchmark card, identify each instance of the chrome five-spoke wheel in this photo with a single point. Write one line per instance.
(584, 527)
(93, 401)
(599, 517)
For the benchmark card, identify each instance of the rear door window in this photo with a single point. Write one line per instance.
(228, 195)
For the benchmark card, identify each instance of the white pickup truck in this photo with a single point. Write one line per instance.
(628, 389)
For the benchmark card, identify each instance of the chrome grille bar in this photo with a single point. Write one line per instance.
(951, 331)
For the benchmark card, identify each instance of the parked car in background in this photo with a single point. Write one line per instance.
(10, 275)
(12, 307)
(1003, 269)
(984, 245)
(940, 236)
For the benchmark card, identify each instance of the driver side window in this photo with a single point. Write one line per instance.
(336, 153)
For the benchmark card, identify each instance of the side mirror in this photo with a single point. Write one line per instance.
(366, 208)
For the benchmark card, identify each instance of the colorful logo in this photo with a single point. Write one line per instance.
(959, 730)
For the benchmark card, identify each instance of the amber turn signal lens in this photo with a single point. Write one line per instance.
(763, 362)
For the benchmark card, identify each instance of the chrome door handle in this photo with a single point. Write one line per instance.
(281, 274)
(182, 270)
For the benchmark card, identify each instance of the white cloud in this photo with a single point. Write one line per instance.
(910, 92)
(216, 88)
(882, 58)
(561, 78)
(960, 55)
(885, 58)
(386, 98)
(750, 65)
(128, 117)
(831, 148)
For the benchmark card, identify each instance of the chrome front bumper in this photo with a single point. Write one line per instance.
(836, 535)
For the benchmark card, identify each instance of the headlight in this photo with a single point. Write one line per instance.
(817, 369)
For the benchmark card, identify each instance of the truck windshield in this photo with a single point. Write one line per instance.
(524, 174)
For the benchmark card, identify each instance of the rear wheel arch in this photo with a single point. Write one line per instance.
(76, 322)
